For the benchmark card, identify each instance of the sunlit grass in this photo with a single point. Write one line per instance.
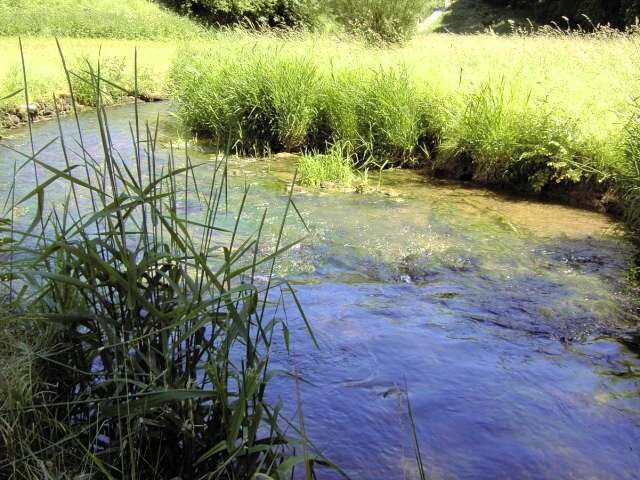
(519, 107)
(561, 98)
(46, 75)
(137, 19)
(335, 168)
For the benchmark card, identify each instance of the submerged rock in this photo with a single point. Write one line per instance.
(23, 110)
(417, 268)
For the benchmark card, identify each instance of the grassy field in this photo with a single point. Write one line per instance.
(107, 29)
(121, 19)
(46, 76)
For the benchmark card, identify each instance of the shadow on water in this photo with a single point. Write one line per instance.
(509, 321)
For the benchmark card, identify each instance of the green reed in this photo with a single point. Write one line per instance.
(138, 334)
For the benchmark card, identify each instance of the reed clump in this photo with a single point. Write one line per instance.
(334, 168)
(135, 334)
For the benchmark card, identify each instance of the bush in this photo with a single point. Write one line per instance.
(379, 20)
(259, 13)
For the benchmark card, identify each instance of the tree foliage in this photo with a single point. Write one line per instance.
(379, 20)
(588, 13)
(268, 13)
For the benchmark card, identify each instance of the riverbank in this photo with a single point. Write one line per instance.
(534, 115)
(48, 87)
(544, 115)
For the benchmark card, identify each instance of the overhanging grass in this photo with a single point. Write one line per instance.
(520, 110)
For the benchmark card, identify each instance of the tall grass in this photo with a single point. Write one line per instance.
(512, 139)
(287, 102)
(627, 175)
(261, 104)
(141, 333)
(497, 133)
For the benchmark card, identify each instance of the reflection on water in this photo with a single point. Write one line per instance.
(507, 320)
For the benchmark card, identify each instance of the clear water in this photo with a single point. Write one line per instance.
(505, 322)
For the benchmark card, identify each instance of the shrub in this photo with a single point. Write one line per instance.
(259, 13)
(379, 20)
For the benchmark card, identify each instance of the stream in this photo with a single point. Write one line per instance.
(506, 322)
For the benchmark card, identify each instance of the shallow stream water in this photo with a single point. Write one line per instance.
(504, 321)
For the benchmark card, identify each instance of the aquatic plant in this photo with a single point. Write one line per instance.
(336, 167)
(141, 333)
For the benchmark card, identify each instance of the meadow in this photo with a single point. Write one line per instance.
(119, 19)
(46, 75)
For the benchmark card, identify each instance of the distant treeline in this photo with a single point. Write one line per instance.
(270, 13)
(587, 13)
(376, 20)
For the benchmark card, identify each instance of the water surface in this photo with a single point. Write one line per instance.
(505, 322)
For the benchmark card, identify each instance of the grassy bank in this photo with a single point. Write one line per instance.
(523, 112)
(526, 112)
